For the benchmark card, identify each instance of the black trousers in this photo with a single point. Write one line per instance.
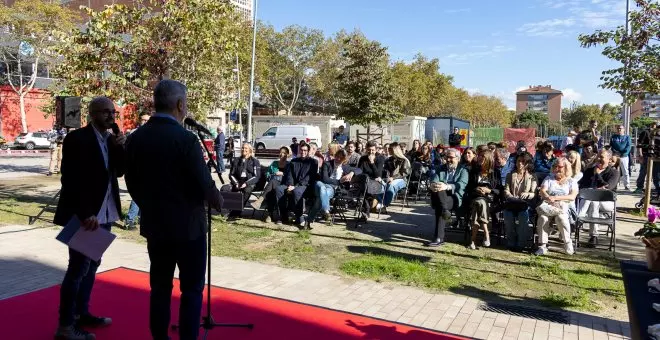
(441, 202)
(247, 192)
(190, 257)
(290, 200)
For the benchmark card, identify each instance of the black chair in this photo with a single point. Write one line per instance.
(351, 196)
(608, 219)
(257, 193)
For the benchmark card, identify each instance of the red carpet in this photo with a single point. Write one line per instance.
(123, 294)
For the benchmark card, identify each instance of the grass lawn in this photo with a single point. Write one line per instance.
(588, 282)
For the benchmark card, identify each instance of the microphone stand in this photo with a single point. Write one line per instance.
(208, 323)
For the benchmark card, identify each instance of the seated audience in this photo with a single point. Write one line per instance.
(397, 168)
(501, 157)
(297, 185)
(274, 175)
(483, 190)
(558, 192)
(575, 161)
(412, 154)
(588, 156)
(468, 158)
(331, 174)
(543, 161)
(603, 175)
(519, 190)
(244, 174)
(353, 157)
(447, 189)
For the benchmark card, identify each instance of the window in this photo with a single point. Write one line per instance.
(534, 97)
(270, 132)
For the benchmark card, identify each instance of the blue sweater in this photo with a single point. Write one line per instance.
(542, 164)
(621, 144)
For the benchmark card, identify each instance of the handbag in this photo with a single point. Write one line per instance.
(515, 205)
(549, 210)
(375, 188)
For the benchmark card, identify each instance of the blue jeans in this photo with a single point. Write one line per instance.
(390, 191)
(77, 285)
(165, 256)
(220, 160)
(517, 228)
(324, 192)
(133, 212)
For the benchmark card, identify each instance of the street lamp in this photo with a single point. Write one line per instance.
(254, 52)
(626, 106)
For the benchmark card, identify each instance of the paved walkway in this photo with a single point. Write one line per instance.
(31, 259)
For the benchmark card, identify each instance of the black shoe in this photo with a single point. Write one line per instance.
(593, 241)
(73, 333)
(92, 321)
(436, 243)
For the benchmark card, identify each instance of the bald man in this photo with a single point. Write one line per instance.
(92, 160)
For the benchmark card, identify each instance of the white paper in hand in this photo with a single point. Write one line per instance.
(89, 243)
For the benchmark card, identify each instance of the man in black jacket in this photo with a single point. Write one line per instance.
(219, 145)
(298, 183)
(600, 176)
(167, 177)
(92, 161)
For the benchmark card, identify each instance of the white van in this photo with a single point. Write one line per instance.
(277, 136)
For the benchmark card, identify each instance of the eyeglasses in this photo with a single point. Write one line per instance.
(450, 157)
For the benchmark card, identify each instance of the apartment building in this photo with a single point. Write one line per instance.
(646, 106)
(541, 98)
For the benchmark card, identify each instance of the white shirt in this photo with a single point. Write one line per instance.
(339, 171)
(108, 212)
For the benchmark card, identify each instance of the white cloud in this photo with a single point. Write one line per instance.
(473, 90)
(475, 53)
(581, 15)
(457, 10)
(547, 28)
(570, 95)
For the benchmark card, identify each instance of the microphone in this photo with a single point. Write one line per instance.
(115, 128)
(196, 126)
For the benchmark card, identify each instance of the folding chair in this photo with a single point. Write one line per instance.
(405, 192)
(608, 219)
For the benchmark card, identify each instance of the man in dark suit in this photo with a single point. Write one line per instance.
(167, 177)
(92, 160)
(219, 145)
(298, 183)
(447, 190)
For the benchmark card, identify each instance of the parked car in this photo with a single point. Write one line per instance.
(278, 136)
(32, 140)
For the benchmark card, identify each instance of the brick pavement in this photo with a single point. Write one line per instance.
(31, 259)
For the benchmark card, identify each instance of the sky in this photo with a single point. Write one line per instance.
(493, 47)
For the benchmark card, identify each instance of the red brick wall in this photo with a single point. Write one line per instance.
(10, 113)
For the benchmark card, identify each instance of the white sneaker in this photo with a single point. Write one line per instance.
(654, 283)
(486, 243)
(568, 248)
(472, 246)
(379, 206)
(541, 251)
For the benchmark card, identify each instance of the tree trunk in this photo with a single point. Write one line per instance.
(21, 102)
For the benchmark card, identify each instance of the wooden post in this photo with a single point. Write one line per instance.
(649, 184)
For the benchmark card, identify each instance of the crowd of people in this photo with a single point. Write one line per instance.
(477, 186)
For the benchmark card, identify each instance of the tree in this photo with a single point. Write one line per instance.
(581, 115)
(26, 46)
(531, 119)
(641, 122)
(365, 84)
(420, 87)
(287, 61)
(638, 52)
(324, 82)
(125, 50)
